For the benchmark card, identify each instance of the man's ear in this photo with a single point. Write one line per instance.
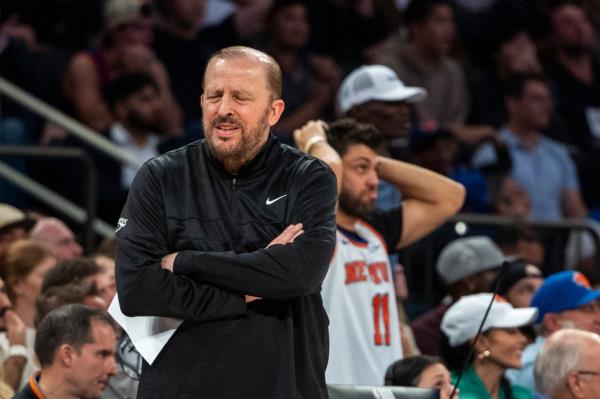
(277, 107)
(551, 323)
(574, 385)
(65, 354)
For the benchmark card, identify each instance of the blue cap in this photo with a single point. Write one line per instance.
(563, 291)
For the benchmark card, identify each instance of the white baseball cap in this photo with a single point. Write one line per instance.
(374, 82)
(462, 319)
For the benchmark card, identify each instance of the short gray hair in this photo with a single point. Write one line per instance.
(561, 354)
(272, 68)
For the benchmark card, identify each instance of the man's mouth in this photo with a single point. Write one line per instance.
(225, 130)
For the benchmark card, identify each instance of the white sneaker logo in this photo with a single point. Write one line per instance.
(270, 201)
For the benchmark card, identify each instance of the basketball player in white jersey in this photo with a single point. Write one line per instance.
(358, 292)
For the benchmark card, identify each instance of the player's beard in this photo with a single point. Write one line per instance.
(233, 155)
(354, 206)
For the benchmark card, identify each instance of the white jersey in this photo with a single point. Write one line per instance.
(358, 294)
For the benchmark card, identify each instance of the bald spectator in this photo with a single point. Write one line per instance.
(465, 266)
(568, 365)
(76, 349)
(14, 225)
(565, 300)
(56, 235)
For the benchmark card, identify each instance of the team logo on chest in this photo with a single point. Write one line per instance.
(360, 271)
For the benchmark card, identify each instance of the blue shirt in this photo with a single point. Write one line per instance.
(545, 172)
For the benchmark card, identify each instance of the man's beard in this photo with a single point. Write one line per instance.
(242, 151)
(353, 206)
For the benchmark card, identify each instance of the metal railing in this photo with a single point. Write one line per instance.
(71, 125)
(86, 216)
(83, 216)
(419, 259)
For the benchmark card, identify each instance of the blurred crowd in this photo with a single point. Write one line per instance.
(502, 96)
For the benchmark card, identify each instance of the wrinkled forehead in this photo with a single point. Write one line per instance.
(244, 70)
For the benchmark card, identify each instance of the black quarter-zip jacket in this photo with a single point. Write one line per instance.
(184, 201)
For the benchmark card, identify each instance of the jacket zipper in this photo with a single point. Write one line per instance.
(233, 182)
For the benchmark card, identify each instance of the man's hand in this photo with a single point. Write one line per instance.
(15, 328)
(309, 134)
(288, 235)
(168, 261)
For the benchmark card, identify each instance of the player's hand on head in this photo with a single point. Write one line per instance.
(312, 132)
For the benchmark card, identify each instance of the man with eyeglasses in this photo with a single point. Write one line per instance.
(565, 300)
(568, 365)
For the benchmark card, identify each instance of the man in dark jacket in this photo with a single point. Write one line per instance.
(233, 234)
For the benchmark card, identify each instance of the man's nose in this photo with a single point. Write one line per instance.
(112, 366)
(225, 106)
(373, 179)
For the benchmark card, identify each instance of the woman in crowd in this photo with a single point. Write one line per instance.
(23, 266)
(423, 372)
(498, 347)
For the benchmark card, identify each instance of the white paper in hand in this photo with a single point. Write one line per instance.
(149, 334)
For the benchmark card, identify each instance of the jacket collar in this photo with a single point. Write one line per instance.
(254, 166)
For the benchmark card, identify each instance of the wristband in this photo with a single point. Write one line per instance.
(17, 350)
(312, 141)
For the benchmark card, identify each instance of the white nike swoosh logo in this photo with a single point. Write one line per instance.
(270, 201)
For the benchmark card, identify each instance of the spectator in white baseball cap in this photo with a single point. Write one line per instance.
(374, 94)
(498, 348)
(14, 225)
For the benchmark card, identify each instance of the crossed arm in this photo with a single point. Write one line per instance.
(209, 285)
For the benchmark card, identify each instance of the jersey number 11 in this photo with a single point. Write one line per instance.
(381, 313)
